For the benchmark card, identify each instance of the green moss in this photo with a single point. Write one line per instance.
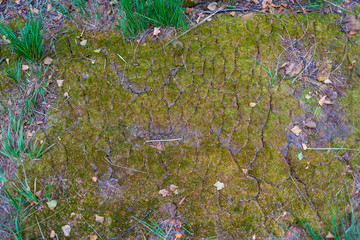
(200, 94)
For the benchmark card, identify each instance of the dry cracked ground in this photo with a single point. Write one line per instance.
(197, 111)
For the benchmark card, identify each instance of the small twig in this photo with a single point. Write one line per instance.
(164, 140)
(148, 213)
(228, 10)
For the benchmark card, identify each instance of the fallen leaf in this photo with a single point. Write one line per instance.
(328, 102)
(113, 3)
(159, 147)
(352, 24)
(17, 1)
(60, 82)
(266, 4)
(93, 237)
(66, 94)
(232, 13)
(38, 194)
(219, 185)
(182, 202)
(83, 42)
(327, 81)
(245, 171)
(178, 235)
(49, 8)
(39, 122)
(7, 61)
(292, 68)
(48, 60)
(156, 31)
(66, 229)
(52, 204)
(304, 146)
(322, 100)
(352, 33)
(310, 124)
(212, 6)
(99, 219)
(296, 130)
(173, 187)
(255, 1)
(300, 156)
(97, 50)
(164, 192)
(329, 235)
(25, 67)
(52, 234)
(109, 12)
(307, 96)
(252, 104)
(5, 39)
(94, 179)
(324, 71)
(35, 11)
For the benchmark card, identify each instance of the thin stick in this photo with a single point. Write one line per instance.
(91, 226)
(348, 149)
(132, 227)
(164, 140)
(123, 167)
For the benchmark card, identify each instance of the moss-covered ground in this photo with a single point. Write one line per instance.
(198, 91)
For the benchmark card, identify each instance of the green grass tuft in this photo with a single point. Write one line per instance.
(138, 15)
(29, 44)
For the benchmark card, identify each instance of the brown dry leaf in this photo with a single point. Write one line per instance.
(329, 235)
(352, 24)
(25, 67)
(93, 237)
(48, 60)
(66, 229)
(304, 146)
(159, 147)
(52, 234)
(324, 71)
(352, 33)
(113, 2)
(5, 39)
(99, 219)
(66, 94)
(255, 1)
(38, 194)
(109, 12)
(252, 104)
(49, 8)
(212, 6)
(322, 100)
(39, 122)
(328, 102)
(157, 31)
(35, 11)
(201, 15)
(292, 68)
(232, 13)
(173, 187)
(266, 4)
(59, 82)
(94, 179)
(296, 130)
(178, 235)
(245, 171)
(164, 192)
